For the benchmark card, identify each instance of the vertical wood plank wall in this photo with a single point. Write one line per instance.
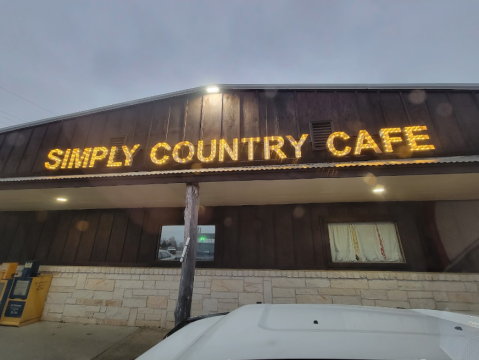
(270, 236)
(452, 118)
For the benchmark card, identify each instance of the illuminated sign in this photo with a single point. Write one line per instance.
(184, 152)
(366, 142)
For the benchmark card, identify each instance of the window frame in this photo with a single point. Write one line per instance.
(177, 264)
(363, 264)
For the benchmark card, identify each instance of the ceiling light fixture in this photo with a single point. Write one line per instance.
(212, 89)
(61, 199)
(378, 189)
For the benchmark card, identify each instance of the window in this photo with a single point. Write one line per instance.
(171, 243)
(365, 242)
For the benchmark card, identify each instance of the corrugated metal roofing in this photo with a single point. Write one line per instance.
(422, 161)
(250, 87)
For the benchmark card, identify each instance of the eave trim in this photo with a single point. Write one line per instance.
(369, 163)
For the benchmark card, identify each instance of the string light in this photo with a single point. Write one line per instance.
(232, 152)
(360, 145)
(65, 158)
(57, 160)
(212, 153)
(276, 148)
(79, 158)
(387, 140)
(96, 157)
(129, 154)
(297, 145)
(153, 153)
(411, 138)
(330, 143)
(250, 142)
(191, 152)
(111, 158)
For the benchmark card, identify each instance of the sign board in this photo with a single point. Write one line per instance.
(14, 309)
(273, 149)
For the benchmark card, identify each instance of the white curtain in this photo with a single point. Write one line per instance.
(390, 241)
(367, 242)
(342, 247)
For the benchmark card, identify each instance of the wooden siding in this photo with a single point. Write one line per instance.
(255, 237)
(452, 119)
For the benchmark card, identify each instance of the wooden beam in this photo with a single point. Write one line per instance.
(185, 294)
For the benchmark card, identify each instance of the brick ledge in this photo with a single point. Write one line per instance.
(328, 274)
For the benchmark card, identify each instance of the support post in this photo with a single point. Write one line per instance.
(185, 294)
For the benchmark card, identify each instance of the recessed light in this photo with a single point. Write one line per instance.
(62, 199)
(378, 189)
(212, 89)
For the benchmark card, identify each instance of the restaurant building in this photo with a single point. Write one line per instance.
(361, 195)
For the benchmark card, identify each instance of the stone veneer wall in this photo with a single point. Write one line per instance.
(147, 296)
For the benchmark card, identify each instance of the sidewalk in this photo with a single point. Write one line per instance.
(58, 341)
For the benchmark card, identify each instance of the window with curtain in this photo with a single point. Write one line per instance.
(365, 242)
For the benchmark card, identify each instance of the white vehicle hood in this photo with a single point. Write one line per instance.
(341, 332)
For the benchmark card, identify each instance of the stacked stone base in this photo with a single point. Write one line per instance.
(147, 296)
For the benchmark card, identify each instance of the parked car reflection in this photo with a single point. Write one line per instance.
(165, 255)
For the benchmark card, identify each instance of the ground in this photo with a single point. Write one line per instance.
(58, 341)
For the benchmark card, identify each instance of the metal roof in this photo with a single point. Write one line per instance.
(421, 161)
(249, 87)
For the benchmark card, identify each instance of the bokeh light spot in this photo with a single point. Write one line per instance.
(404, 151)
(42, 216)
(417, 96)
(271, 93)
(82, 225)
(444, 109)
(370, 179)
(228, 222)
(299, 211)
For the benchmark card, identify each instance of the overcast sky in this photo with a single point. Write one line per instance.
(68, 56)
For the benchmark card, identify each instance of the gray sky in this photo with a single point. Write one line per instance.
(69, 56)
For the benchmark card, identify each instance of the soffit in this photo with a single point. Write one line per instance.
(259, 192)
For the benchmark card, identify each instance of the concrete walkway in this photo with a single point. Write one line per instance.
(58, 341)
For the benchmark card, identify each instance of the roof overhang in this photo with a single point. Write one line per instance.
(426, 179)
(258, 192)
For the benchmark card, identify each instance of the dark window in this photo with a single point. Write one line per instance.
(365, 242)
(171, 242)
(320, 131)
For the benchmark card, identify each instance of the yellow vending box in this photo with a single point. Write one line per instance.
(7, 272)
(27, 297)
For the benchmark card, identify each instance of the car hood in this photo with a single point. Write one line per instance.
(324, 332)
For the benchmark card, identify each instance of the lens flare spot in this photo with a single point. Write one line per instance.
(370, 179)
(228, 222)
(270, 93)
(404, 152)
(82, 225)
(42, 216)
(417, 96)
(444, 109)
(299, 212)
